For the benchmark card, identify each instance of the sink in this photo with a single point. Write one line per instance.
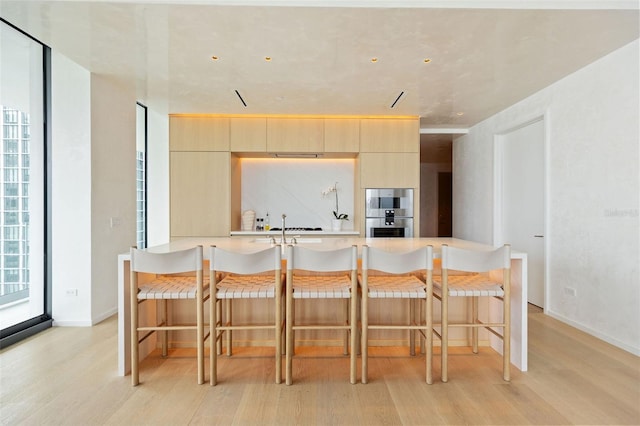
(309, 240)
(261, 240)
(299, 240)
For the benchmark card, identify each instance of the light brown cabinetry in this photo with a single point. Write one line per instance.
(295, 135)
(389, 135)
(341, 135)
(248, 134)
(206, 153)
(390, 170)
(200, 194)
(198, 133)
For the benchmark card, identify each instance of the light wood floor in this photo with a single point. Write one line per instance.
(68, 376)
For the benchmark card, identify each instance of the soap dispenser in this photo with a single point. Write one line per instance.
(266, 223)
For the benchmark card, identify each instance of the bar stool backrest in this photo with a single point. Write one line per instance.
(397, 263)
(166, 263)
(245, 263)
(321, 260)
(465, 260)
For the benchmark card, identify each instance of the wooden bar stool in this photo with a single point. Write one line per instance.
(170, 284)
(398, 281)
(328, 274)
(477, 284)
(235, 276)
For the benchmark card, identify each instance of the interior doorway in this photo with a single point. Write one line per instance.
(445, 201)
(436, 185)
(520, 199)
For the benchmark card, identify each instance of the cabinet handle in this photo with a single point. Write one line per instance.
(539, 236)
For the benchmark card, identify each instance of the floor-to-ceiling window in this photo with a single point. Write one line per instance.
(24, 301)
(141, 175)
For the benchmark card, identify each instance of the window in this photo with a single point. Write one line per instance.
(141, 176)
(11, 160)
(10, 189)
(11, 218)
(25, 306)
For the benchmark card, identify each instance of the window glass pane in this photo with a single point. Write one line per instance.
(22, 178)
(141, 176)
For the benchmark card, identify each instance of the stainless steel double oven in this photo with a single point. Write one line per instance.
(389, 212)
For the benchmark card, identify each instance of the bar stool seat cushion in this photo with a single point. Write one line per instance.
(246, 287)
(470, 285)
(394, 287)
(170, 287)
(322, 287)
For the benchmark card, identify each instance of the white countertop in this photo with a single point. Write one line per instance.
(323, 233)
(261, 241)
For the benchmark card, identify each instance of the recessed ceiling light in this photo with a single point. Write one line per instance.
(374, 60)
(214, 58)
(459, 113)
(267, 58)
(427, 60)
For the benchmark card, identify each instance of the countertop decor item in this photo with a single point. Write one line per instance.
(248, 218)
(336, 213)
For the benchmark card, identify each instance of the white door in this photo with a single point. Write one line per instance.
(523, 198)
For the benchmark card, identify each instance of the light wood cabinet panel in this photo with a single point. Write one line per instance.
(390, 170)
(341, 135)
(200, 194)
(388, 135)
(295, 135)
(248, 134)
(198, 134)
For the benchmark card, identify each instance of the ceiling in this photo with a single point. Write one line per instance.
(483, 56)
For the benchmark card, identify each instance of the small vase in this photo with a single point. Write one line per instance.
(336, 224)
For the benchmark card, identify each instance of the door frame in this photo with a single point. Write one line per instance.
(498, 189)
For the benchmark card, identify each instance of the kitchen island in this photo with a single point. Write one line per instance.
(250, 244)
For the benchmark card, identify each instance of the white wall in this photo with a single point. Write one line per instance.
(593, 213)
(158, 224)
(113, 187)
(93, 135)
(71, 192)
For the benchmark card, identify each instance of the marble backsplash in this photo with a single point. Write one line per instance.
(295, 187)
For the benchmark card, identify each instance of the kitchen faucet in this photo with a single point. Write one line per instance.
(284, 239)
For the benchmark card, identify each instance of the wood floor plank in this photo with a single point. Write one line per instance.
(68, 376)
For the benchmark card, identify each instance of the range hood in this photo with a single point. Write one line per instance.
(295, 155)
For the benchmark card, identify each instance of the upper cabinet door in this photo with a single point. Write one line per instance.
(200, 194)
(390, 135)
(248, 134)
(198, 134)
(390, 170)
(341, 135)
(295, 135)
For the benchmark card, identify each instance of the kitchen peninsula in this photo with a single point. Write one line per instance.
(250, 244)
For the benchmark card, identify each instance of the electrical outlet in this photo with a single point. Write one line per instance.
(72, 292)
(115, 221)
(570, 291)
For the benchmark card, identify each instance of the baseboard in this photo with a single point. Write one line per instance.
(91, 323)
(72, 323)
(617, 343)
(108, 314)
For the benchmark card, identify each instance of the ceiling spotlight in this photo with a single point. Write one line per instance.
(267, 58)
(374, 60)
(427, 60)
(214, 58)
(459, 114)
